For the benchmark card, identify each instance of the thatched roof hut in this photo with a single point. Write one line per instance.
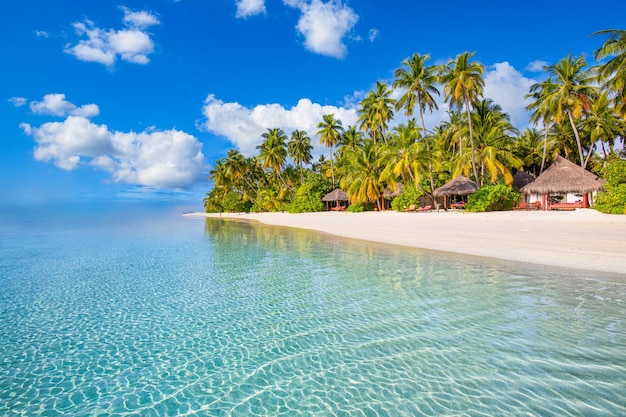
(388, 193)
(563, 177)
(336, 195)
(461, 185)
(521, 179)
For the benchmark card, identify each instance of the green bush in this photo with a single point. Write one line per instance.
(613, 199)
(308, 197)
(230, 202)
(359, 207)
(409, 196)
(493, 198)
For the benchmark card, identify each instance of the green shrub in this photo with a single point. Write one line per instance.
(359, 207)
(409, 196)
(613, 199)
(308, 197)
(231, 202)
(493, 198)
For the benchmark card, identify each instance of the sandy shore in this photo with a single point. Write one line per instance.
(582, 239)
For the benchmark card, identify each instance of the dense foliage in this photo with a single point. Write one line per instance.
(409, 196)
(577, 111)
(493, 198)
(613, 199)
(308, 196)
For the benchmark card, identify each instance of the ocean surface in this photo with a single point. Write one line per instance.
(138, 311)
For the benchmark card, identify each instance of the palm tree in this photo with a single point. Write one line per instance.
(613, 72)
(603, 124)
(419, 81)
(299, 148)
(330, 131)
(376, 110)
(571, 93)
(531, 149)
(463, 84)
(494, 138)
(542, 109)
(361, 171)
(273, 150)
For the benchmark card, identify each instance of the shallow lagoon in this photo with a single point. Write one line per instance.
(151, 313)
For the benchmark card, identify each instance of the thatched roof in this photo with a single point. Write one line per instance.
(563, 176)
(388, 193)
(336, 195)
(521, 179)
(461, 185)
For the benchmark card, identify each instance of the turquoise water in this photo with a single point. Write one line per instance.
(154, 314)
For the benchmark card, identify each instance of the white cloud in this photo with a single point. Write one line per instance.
(18, 101)
(162, 159)
(56, 105)
(244, 126)
(324, 25)
(537, 66)
(139, 20)
(132, 44)
(41, 34)
(247, 8)
(508, 87)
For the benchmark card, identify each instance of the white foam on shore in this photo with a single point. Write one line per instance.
(582, 239)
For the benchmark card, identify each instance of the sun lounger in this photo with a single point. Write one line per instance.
(425, 208)
(566, 206)
(412, 207)
(528, 206)
(459, 205)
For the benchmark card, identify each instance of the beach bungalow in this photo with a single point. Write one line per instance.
(389, 195)
(568, 181)
(460, 186)
(336, 196)
(520, 179)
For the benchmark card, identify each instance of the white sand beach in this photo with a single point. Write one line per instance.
(582, 239)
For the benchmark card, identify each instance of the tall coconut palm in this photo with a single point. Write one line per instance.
(419, 81)
(273, 150)
(542, 108)
(463, 84)
(571, 93)
(376, 110)
(531, 148)
(603, 124)
(299, 148)
(613, 72)
(361, 171)
(330, 132)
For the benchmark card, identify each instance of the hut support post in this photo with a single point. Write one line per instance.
(585, 200)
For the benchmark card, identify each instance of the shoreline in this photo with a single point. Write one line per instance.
(581, 239)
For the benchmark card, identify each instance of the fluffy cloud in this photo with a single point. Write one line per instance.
(324, 25)
(247, 8)
(508, 87)
(56, 105)
(372, 34)
(163, 159)
(244, 126)
(537, 66)
(41, 34)
(132, 44)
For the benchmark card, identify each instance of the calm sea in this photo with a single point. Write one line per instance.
(138, 311)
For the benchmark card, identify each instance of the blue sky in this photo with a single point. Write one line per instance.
(136, 99)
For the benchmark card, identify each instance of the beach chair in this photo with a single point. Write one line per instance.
(425, 208)
(412, 207)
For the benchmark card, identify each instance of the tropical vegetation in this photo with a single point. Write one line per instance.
(578, 111)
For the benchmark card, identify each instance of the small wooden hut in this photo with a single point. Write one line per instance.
(564, 177)
(336, 196)
(459, 186)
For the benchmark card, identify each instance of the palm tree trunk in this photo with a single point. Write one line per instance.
(471, 132)
(332, 166)
(580, 147)
(545, 147)
(430, 164)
